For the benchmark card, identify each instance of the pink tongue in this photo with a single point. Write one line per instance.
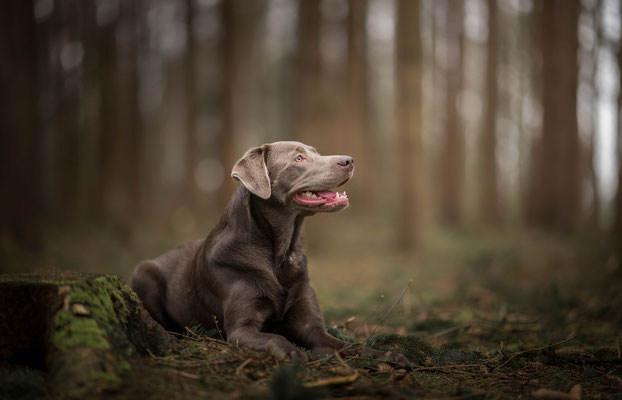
(327, 194)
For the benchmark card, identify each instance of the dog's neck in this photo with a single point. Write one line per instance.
(283, 227)
(271, 221)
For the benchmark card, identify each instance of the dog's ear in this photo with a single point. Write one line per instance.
(252, 172)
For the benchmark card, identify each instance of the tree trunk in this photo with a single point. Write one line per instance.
(229, 81)
(452, 167)
(191, 109)
(308, 68)
(67, 117)
(617, 226)
(353, 135)
(556, 196)
(594, 218)
(19, 142)
(489, 197)
(108, 116)
(409, 152)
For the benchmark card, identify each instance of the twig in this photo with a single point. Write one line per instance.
(395, 303)
(217, 327)
(367, 318)
(449, 330)
(322, 360)
(386, 314)
(241, 366)
(186, 374)
(337, 380)
(343, 363)
(538, 348)
(448, 367)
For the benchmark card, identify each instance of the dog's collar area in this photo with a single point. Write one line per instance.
(320, 197)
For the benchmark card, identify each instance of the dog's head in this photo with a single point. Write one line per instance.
(295, 175)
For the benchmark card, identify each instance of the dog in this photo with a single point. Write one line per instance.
(249, 276)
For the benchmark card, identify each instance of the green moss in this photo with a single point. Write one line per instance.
(102, 297)
(71, 331)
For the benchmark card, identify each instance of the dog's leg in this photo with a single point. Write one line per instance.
(150, 286)
(305, 324)
(244, 316)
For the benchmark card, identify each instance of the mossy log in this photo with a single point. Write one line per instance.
(82, 330)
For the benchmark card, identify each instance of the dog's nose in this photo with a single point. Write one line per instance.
(345, 161)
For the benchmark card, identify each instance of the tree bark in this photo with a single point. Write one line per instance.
(409, 151)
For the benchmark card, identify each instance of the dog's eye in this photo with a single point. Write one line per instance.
(299, 158)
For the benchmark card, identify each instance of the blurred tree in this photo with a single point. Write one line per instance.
(408, 108)
(618, 197)
(488, 194)
(190, 89)
(130, 116)
(229, 81)
(19, 141)
(452, 158)
(241, 21)
(67, 86)
(108, 118)
(555, 197)
(308, 97)
(354, 135)
(594, 217)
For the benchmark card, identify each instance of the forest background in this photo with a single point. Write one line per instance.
(486, 134)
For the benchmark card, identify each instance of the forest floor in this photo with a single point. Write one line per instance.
(499, 316)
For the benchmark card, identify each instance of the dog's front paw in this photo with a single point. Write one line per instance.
(297, 355)
(289, 353)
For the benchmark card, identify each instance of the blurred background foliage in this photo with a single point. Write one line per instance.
(474, 124)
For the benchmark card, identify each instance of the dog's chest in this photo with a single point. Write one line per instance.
(290, 275)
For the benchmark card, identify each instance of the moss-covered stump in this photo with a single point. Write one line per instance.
(82, 330)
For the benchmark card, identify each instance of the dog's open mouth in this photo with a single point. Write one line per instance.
(325, 198)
